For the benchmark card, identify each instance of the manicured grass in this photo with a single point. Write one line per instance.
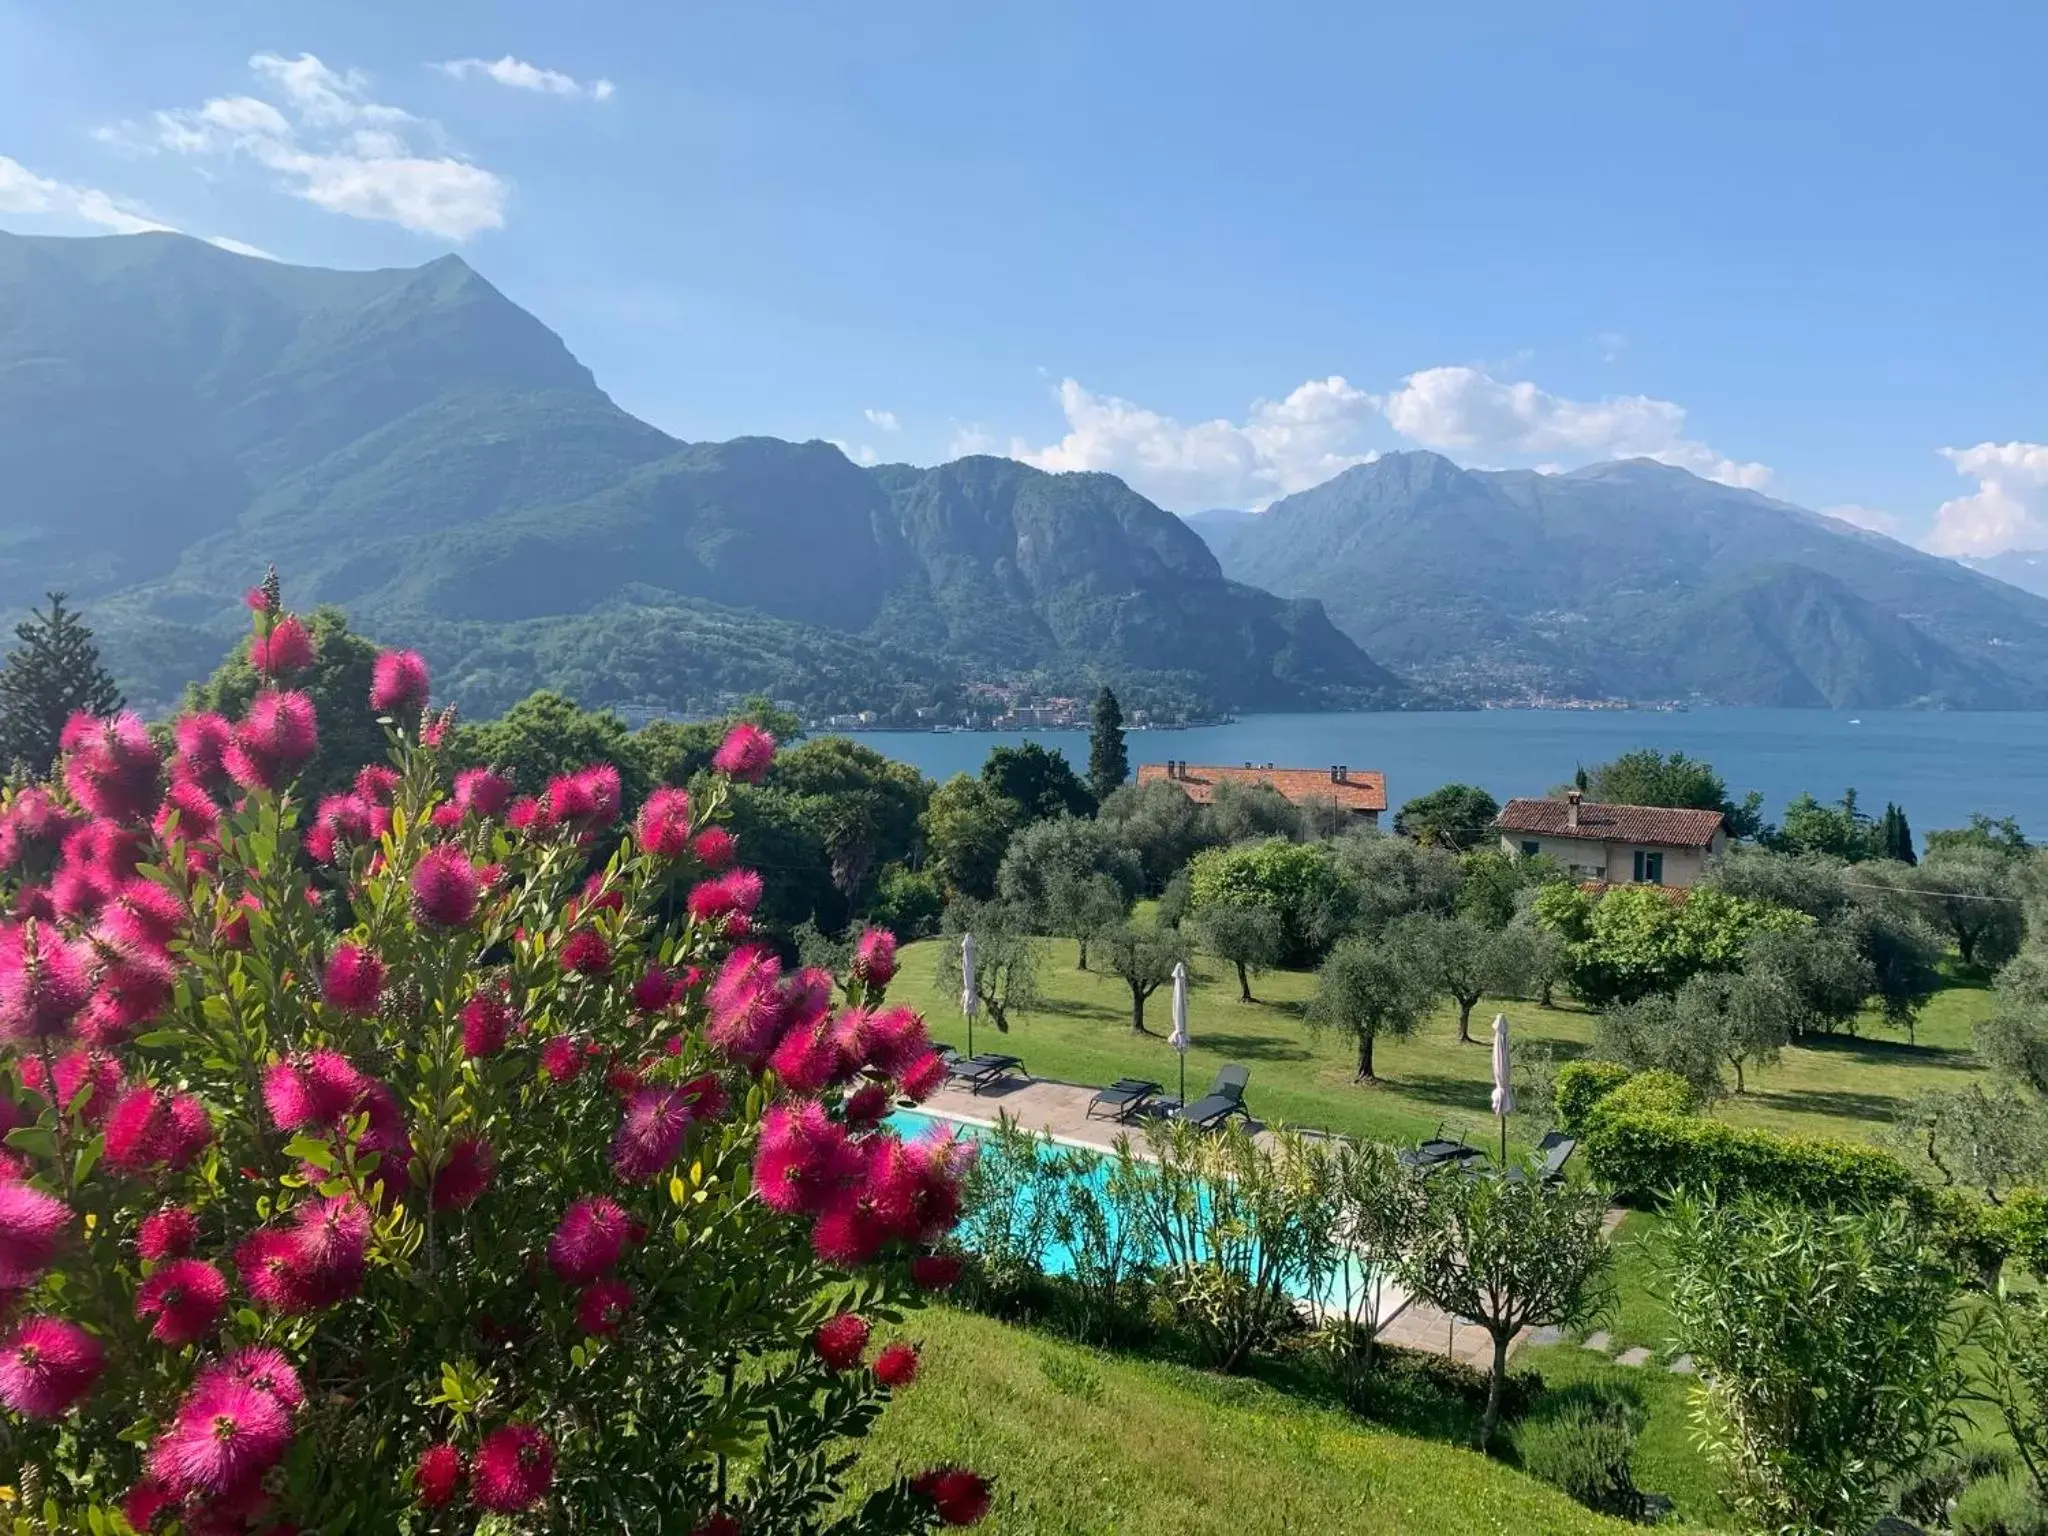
(1838, 1086)
(1639, 1316)
(1083, 1442)
(1667, 1461)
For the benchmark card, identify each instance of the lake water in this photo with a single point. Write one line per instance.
(1939, 766)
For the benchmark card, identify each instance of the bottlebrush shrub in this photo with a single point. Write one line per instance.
(389, 1165)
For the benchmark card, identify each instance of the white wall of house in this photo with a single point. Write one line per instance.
(1592, 858)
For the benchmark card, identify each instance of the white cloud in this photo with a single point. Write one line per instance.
(1611, 344)
(2009, 508)
(23, 191)
(970, 439)
(337, 148)
(1889, 524)
(522, 76)
(1281, 446)
(864, 455)
(886, 420)
(240, 247)
(1461, 407)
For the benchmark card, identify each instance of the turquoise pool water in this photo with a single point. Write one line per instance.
(1342, 1290)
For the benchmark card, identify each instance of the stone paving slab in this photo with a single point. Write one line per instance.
(1636, 1356)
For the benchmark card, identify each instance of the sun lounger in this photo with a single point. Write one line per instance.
(1224, 1099)
(978, 1072)
(1437, 1152)
(1123, 1098)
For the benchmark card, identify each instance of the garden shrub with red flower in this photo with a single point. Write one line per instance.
(424, 1156)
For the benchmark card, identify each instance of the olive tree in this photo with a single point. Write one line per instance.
(1831, 1354)
(1005, 959)
(1245, 937)
(1464, 960)
(1366, 989)
(1142, 956)
(1509, 1251)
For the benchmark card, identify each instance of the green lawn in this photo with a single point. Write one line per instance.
(1083, 1442)
(1840, 1086)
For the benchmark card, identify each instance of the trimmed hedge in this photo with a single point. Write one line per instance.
(1581, 1085)
(1644, 1156)
(1655, 1092)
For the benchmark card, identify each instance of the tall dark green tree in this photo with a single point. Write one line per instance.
(1895, 835)
(1109, 764)
(51, 675)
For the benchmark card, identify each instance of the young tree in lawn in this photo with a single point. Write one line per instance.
(1456, 817)
(1005, 959)
(1084, 906)
(1509, 1253)
(1831, 1354)
(53, 674)
(1109, 764)
(1972, 895)
(1366, 989)
(1244, 937)
(1462, 960)
(1142, 957)
(1983, 1141)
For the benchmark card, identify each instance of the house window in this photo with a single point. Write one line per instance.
(1649, 867)
(1531, 849)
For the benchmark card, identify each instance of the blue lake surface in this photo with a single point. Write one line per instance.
(1939, 766)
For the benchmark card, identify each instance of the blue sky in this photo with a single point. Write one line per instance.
(1221, 249)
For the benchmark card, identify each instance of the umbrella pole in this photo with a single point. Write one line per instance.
(1183, 1055)
(1503, 1141)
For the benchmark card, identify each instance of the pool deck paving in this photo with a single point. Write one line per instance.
(1060, 1110)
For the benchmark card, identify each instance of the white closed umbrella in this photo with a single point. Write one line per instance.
(970, 1001)
(1503, 1081)
(1179, 1038)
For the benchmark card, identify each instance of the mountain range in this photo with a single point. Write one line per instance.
(415, 447)
(1635, 580)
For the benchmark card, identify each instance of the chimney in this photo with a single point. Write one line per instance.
(1336, 774)
(1572, 797)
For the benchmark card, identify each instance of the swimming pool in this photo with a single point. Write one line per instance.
(1343, 1290)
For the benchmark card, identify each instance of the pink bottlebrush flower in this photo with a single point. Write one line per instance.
(385, 1137)
(437, 1475)
(806, 1058)
(331, 1240)
(322, 844)
(624, 1081)
(288, 648)
(513, 1470)
(960, 1497)
(587, 800)
(88, 1083)
(841, 1341)
(849, 1234)
(717, 1523)
(935, 1271)
(714, 847)
(354, 980)
(745, 754)
(140, 916)
(735, 891)
(48, 1364)
(705, 1095)
(35, 901)
(587, 954)
(272, 1271)
(78, 891)
(202, 750)
(804, 1161)
(531, 816)
(650, 1135)
(167, 1234)
(232, 932)
(867, 1106)
(486, 1022)
(924, 1077)
(265, 1369)
(896, 1366)
(654, 991)
(258, 599)
(445, 817)
(874, 958)
(111, 766)
(378, 783)
(560, 1059)
(482, 791)
(44, 982)
(182, 1300)
(225, 1436)
(603, 1306)
(896, 1041)
(589, 1241)
(32, 1229)
(315, 1090)
(38, 817)
(187, 814)
(138, 1130)
(277, 737)
(445, 887)
(664, 825)
(434, 728)
(144, 1502)
(915, 1186)
(189, 1133)
(461, 1180)
(398, 681)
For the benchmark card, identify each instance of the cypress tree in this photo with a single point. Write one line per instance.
(51, 675)
(1108, 763)
(1895, 835)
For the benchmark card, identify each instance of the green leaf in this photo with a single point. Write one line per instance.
(158, 1037)
(310, 1149)
(87, 1159)
(35, 1140)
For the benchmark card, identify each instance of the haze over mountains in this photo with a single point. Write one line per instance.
(415, 447)
(412, 445)
(1635, 580)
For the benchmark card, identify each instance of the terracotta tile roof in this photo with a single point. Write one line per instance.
(1656, 824)
(1356, 791)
